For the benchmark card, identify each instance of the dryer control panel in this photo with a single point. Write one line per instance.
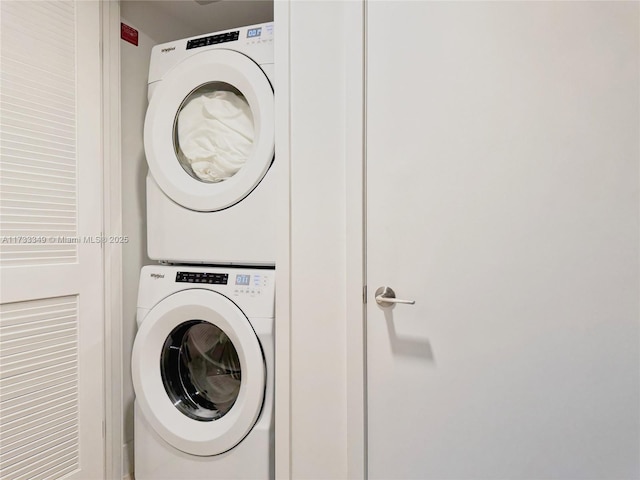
(252, 35)
(213, 39)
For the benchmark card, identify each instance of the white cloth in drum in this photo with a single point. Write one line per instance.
(215, 134)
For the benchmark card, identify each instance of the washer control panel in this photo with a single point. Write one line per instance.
(251, 288)
(202, 277)
(243, 283)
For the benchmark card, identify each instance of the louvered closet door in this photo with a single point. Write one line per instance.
(51, 291)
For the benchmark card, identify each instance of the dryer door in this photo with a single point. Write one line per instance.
(209, 130)
(199, 372)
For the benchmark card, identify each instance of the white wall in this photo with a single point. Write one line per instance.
(134, 71)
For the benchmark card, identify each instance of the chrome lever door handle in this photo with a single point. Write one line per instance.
(385, 297)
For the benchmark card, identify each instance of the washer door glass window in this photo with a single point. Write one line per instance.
(213, 132)
(201, 370)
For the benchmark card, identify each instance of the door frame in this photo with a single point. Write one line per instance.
(355, 196)
(282, 170)
(352, 65)
(112, 255)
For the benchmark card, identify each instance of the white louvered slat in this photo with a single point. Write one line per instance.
(22, 140)
(30, 78)
(15, 383)
(23, 309)
(22, 131)
(16, 431)
(38, 137)
(18, 436)
(17, 92)
(39, 121)
(39, 380)
(22, 200)
(25, 435)
(43, 163)
(54, 457)
(20, 256)
(24, 452)
(57, 471)
(20, 318)
(16, 367)
(17, 178)
(27, 388)
(22, 461)
(42, 131)
(34, 226)
(34, 261)
(26, 108)
(26, 256)
(61, 347)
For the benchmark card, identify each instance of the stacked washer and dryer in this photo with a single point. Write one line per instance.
(203, 357)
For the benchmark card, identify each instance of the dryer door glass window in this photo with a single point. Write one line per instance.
(200, 370)
(213, 132)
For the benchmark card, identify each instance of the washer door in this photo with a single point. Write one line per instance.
(209, 130)
(198, 372)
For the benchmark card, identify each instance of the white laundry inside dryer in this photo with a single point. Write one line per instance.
(215, 134)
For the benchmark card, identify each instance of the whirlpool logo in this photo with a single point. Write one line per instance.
(157, 275)
(170, 49)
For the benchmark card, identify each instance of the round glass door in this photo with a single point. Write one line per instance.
(200, 370)
(209, 131)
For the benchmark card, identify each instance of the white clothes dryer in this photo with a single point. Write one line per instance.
(209, 143)
(202, 370)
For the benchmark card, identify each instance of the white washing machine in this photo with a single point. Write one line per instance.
(209, 143)
(202, 368)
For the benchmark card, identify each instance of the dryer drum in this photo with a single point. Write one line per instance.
(214, 132)
(200, 370)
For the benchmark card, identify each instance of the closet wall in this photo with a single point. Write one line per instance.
(156, 22)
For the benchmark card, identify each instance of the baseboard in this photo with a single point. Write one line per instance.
(127, 461)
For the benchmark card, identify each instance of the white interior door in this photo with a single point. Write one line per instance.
(502, 178)
(51, 309)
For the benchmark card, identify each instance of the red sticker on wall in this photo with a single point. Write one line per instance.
(129, 34)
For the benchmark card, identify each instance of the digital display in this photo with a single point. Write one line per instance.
(254, 32)
(243, 279)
